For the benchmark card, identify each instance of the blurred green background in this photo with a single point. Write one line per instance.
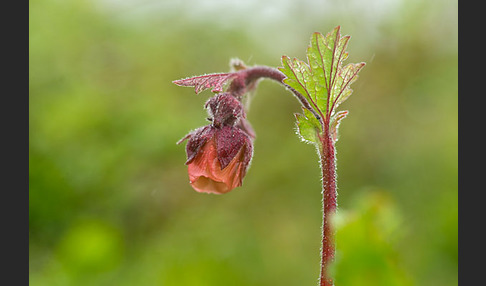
(109, 199)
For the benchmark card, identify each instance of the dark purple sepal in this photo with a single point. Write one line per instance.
(197, 139)
(229, 141)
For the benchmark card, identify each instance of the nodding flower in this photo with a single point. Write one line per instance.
(219, 154)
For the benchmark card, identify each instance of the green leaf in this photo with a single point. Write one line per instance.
(335, 121)
(322, 81)
(299, 77)
(345, 77)
(308, 126)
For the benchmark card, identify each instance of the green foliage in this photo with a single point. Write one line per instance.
(335, 121)
(323, 81)
(308, 126)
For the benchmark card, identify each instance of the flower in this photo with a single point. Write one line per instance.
(219, 154)
(217, 158)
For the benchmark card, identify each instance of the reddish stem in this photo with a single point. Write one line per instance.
(328, 166)
(246, 80)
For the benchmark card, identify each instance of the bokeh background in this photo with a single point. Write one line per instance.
(109, 199)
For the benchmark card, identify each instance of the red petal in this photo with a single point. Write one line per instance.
(206, 175)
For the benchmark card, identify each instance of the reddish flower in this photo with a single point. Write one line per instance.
(218, 155)
(217, 158)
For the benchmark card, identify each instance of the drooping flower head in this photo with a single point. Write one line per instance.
(219, 154)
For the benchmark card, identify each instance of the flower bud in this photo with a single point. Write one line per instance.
(217, 158)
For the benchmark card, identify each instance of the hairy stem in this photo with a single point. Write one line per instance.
(247, 80)
(264, 71)
(328, 167)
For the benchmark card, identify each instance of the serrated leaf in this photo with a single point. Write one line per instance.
(308, 126)
(299, 77)
(335, 121)
(297, 73)
(215, 81)
(345, 77)
(323, 80)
